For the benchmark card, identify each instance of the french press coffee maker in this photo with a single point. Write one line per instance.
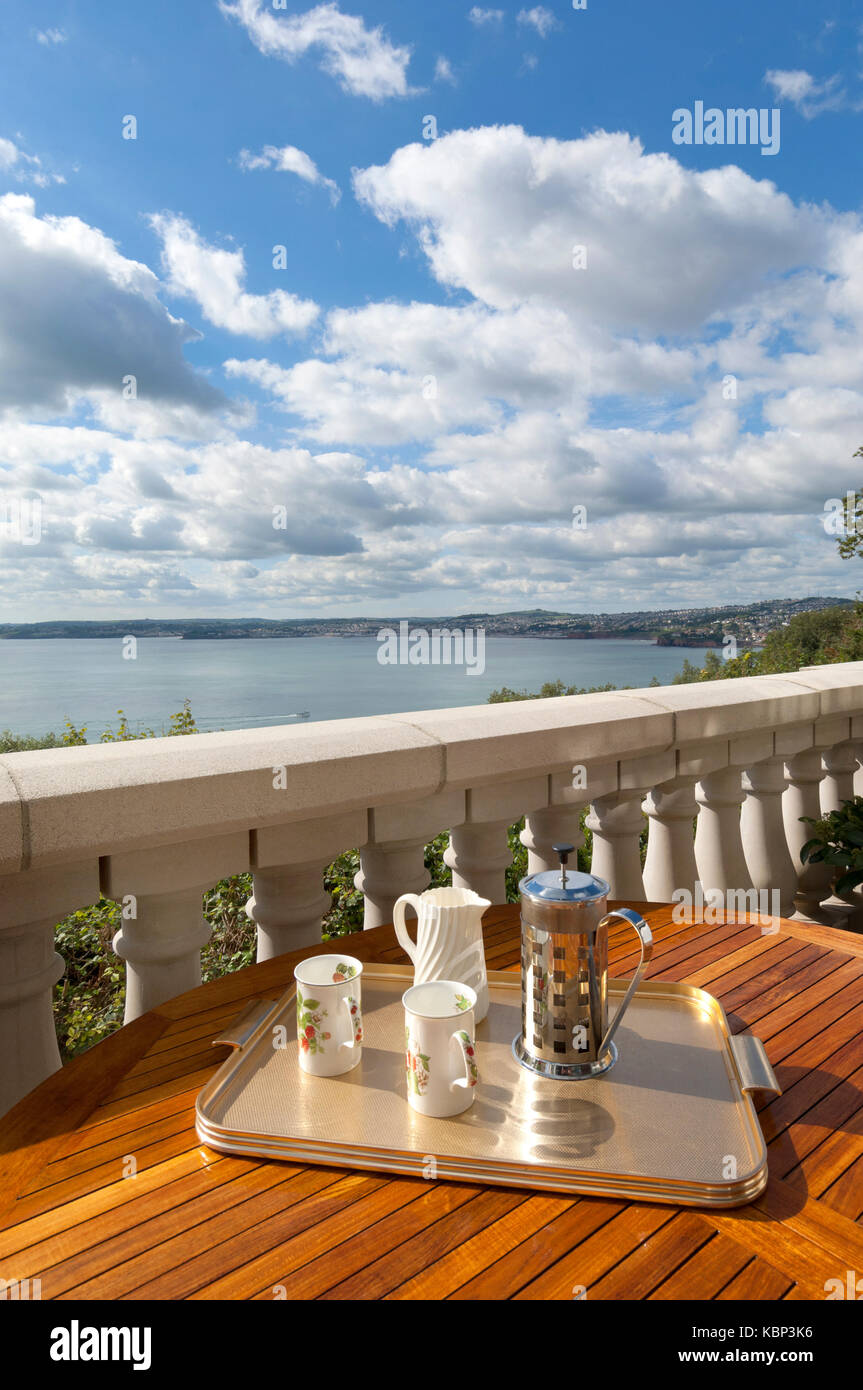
(564, 973)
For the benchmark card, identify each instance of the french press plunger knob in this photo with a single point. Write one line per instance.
(563, 852)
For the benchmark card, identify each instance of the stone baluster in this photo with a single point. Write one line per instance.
(765, 845)
(839, 765)
(479, 857)
(31, 905)
(160, 894)
(478, 852)
(857, 740)
(287, 906)
(722, 867)
(857, 790)
(386, 872)
(559, 822)
(392, 861)
(804, 772)
(803, 798)
(555, 825)
(617, 821)
(288, 901)
(670, 865)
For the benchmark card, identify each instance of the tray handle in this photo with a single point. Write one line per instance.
(237, 1034)
(753, 1065)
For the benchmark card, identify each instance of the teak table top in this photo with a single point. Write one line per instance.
(196, 1224)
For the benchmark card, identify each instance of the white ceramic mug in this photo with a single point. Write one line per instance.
(440, 1047)
(329, 1014)
(449, 943)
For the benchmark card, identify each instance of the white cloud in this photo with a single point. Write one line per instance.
(539, 18)
(443, 71)
(198, 503)
(432, 453)
(478, 15)
(289, 160)
(51, 37)
(404, 373)
(76, 317)
(790, 85)
(499, 212)
(513, 432)
(158, 505)
(25, 168)
(363, 61)
(215, 277)
(810, 97)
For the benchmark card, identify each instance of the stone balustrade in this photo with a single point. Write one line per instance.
(155, 823)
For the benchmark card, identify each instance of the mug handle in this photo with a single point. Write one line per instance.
(468, 1053)
(645, 936)
(404, 940)
(355, 1021)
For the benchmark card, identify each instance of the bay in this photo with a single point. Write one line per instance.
(242, 683)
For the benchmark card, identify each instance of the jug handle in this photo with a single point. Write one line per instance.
(645, 936)
(404, 940)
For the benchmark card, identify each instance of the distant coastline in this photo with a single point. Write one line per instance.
(681, 627)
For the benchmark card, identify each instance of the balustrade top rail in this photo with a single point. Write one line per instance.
(59, 806)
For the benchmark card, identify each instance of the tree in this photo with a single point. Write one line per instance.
(810, 639)
(852, 542)
(817, 637)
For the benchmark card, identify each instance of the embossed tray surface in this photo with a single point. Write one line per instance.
(672, 1121)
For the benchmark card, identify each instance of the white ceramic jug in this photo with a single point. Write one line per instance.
(449, 938)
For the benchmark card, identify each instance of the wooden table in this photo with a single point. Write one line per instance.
(193, 1224)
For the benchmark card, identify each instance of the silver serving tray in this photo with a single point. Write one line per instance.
(672, 1121)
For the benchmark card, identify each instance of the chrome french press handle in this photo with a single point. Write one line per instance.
(645, 936)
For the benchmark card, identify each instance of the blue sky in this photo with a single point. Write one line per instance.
(429, 385)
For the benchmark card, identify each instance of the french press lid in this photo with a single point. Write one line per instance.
(563, 885)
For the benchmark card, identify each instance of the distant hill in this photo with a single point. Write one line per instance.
(683, 627)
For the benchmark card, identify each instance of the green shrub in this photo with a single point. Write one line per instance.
(89, 1000)
(838, 841)
(551, 690)
(25, 743)
(815, 638)
(232, 943)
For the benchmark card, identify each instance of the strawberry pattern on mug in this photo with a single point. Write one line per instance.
(310, 1016)
(343, 972)
(471, 1055)
(356, 1018)
(416, 1066)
